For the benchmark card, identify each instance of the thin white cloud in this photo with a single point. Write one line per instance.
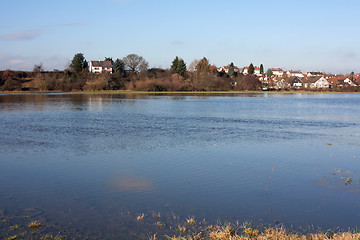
(15, 62)
(21, 36)
(350, 55)
(32, 34)
(19, 62)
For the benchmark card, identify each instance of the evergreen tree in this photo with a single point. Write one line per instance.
(85, 64)
(351, 77)
(178, 66)
(175, 63)
(251, 69)
(119, 66)
(261, 69)
(109, 59)
(181, 68)
(78, 63)
(231, 71)
(269, 72)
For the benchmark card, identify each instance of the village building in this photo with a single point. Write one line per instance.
(296, 82)
(350, 82)
(314, 74)
(346, 82)
(281, 84)
(317, 83)
(298, 74)
(225, 69)
(277, 72)
(100, 66)
(256, 71)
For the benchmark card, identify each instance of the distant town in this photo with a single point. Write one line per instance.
(131, 73)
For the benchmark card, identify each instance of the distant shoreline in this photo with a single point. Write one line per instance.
(171, 92)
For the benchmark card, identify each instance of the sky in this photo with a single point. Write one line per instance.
(306, 35)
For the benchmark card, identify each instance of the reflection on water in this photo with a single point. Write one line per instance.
(89, 164)
(131, 184)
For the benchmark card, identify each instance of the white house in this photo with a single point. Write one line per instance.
(350, 82)
(256, 71)
(314, 74)
(224, 69)
(296, 83)
(100, 66)
(245, 70)
(318, 83)
(298, 74)
(278, 72)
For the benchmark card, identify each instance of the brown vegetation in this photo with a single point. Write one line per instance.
(246, 232)
(150, 80)
(204, 77)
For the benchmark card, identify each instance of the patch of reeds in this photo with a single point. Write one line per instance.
(247, 232)
(140, 217)
(34, 224)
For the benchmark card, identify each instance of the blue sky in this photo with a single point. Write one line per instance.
(307, 35)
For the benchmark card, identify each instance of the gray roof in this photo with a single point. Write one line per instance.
(291, 71)
(103, 64)
(277, 69)
(295, 80)
(311, 79)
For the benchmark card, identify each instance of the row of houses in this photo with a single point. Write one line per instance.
(312, 82)
(244, 70)
(280, 79)
(278, 72)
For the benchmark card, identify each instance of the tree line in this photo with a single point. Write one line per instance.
(130, 73)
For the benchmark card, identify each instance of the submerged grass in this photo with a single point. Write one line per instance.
(34, 224)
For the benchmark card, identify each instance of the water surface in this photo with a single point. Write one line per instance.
(89, 164)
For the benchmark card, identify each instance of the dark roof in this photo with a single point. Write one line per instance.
(316, 73)
(291, 71)
(295, 80)
(103, 64)
(312, 79)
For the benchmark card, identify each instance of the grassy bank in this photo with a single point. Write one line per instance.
(246, 232)
(157, 226)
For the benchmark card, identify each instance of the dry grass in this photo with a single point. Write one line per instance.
(246, 232)
(182, 228)
(152, 237)
(140, 217)
(190, 221)
(34, 224)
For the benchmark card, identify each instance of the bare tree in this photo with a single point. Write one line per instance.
(192, 66)
(38, 68)
(135, 63)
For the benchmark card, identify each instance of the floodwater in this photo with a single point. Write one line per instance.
(86, 165)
